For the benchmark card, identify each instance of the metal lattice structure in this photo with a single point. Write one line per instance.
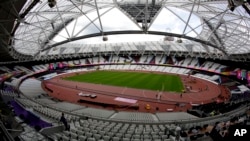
(191, 28)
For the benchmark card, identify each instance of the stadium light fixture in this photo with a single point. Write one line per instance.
(52, 3)
(105, 38)
(179, 40)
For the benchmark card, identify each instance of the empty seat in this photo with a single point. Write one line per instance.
(155, 137)
(73, 130)
(123, 131)
(125, 139)
(99, 128)
(88, 134)
(82, 138)
(161, 133)
(102, 133)
(106, 138)
(116, 139)
(94, 131)
(136, 136)
(146, 137)
(80, 132)
(86, 129)
(91, 139)
(135, 140)
(146, 133)
(111, 134)
(153, 133)
(168, 140)
(73, 135)
(128, 136)
(119, 135)
(130, 131)
(97, 136)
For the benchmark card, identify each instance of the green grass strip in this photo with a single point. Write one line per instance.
(139, 80)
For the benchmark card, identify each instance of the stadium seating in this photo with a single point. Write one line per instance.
(95, 124)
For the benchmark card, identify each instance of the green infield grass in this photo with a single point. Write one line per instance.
(139, 80)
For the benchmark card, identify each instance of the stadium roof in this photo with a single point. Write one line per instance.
(198, 28)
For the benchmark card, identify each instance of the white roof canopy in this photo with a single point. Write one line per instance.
(202, 25)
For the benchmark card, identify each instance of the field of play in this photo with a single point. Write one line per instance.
(138, 80)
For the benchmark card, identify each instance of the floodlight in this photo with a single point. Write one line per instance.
(52, 3)
(105, 38)
(179, 40)
(231, 5)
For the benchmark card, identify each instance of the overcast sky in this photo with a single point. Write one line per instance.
(114, 20)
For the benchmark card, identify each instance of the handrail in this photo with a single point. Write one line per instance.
(5, 132)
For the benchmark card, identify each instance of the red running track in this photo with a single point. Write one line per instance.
(198, 91)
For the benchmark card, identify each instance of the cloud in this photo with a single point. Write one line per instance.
(115, 20)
